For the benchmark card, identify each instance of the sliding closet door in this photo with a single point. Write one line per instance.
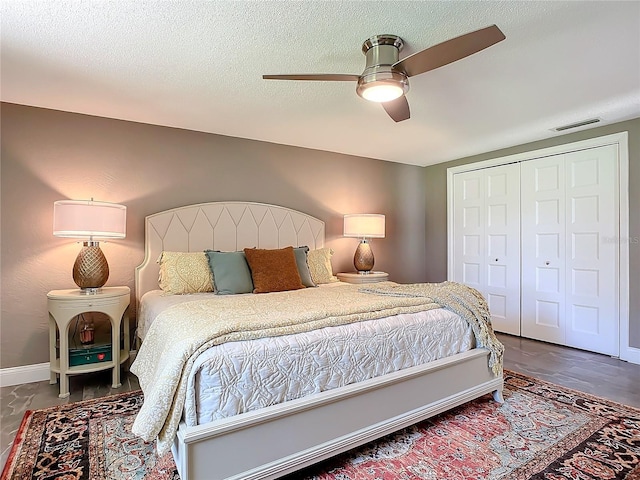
(569, 250)
(487, 240)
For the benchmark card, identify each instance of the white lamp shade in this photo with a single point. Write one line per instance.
(361, 225)
(86, 218)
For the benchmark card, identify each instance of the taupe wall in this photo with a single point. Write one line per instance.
(436, 198)
(50, 155)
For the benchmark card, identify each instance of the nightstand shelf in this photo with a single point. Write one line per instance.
(89, 367)
(64, 306)
(355, 277)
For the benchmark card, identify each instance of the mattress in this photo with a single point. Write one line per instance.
(238, 377)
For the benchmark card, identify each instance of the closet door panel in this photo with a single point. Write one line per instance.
(469, 221)
(543, 249)
(592, 250)
(502, 240)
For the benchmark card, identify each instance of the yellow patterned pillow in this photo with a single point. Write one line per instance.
(320, 266)
(182, 272)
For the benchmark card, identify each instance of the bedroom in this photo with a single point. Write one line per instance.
(48, 155)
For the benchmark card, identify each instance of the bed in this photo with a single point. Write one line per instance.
(268, 441)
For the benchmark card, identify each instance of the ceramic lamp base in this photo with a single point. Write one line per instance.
(91, 270)
(363, 258)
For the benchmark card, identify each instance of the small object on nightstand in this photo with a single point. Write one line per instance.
(87, 332)
(64, 306)
(90, 354)
(370, 277)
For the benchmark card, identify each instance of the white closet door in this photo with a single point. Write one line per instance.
(487, 240)
(469, 219)
(543, 249)
(569, 249)
(592, 250)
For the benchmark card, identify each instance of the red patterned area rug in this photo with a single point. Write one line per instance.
(542, 431)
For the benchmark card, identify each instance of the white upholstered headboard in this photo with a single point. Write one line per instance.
(225, 226)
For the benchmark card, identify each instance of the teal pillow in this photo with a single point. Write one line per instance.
(231, 274)
(303, 267)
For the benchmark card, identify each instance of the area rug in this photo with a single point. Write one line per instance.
(542, 431)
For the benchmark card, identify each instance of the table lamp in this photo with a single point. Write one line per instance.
(364, 226)
(86, 219)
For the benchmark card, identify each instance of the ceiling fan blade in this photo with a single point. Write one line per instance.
(449, 51)
(397, 109)
(323, 77)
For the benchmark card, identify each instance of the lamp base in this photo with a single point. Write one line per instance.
(91, 270)
(363, 259)
(90, 290)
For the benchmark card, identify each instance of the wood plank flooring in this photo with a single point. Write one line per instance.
(588, 372)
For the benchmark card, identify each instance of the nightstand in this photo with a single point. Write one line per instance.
(64, 306)
(355, 277)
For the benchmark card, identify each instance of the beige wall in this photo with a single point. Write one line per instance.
(436, 198)
(50, 155)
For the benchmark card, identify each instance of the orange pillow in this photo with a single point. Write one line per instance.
(273, 270)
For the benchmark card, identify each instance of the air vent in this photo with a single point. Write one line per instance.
(576, 125)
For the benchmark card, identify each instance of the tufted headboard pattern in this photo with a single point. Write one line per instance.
(225, 226)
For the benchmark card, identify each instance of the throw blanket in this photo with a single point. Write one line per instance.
(182, 332)
(461, 299)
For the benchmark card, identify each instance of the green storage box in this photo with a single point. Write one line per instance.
(89, 354)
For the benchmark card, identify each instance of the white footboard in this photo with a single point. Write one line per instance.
(280, 439)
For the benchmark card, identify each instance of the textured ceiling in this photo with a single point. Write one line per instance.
(198, 65)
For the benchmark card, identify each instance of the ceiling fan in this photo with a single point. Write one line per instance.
(385, 78)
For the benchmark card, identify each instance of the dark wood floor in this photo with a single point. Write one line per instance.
(588, 372)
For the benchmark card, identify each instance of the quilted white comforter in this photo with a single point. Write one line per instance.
(237, 377)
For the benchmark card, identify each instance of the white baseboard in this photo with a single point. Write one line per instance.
(631, 355)
(31, 373)
(25, 374)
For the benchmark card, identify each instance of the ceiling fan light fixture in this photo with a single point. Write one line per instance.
(381, 92)
(382, 87)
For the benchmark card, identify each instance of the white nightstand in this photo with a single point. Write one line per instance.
(64, 306)
(355, 277)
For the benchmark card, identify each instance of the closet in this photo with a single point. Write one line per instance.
(539, 239)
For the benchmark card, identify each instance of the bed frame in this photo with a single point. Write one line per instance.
(281, 439)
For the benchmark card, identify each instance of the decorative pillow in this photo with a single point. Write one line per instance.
(320, 265)
(183, 272)
(231, 273)
(303, 266)
(273, 270)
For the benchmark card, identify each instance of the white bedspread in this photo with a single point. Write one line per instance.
(237, 377)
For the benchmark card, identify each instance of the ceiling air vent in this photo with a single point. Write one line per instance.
(576, 125)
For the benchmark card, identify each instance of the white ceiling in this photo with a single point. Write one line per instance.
(198, 65)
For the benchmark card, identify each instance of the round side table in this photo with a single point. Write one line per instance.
(64, 306)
